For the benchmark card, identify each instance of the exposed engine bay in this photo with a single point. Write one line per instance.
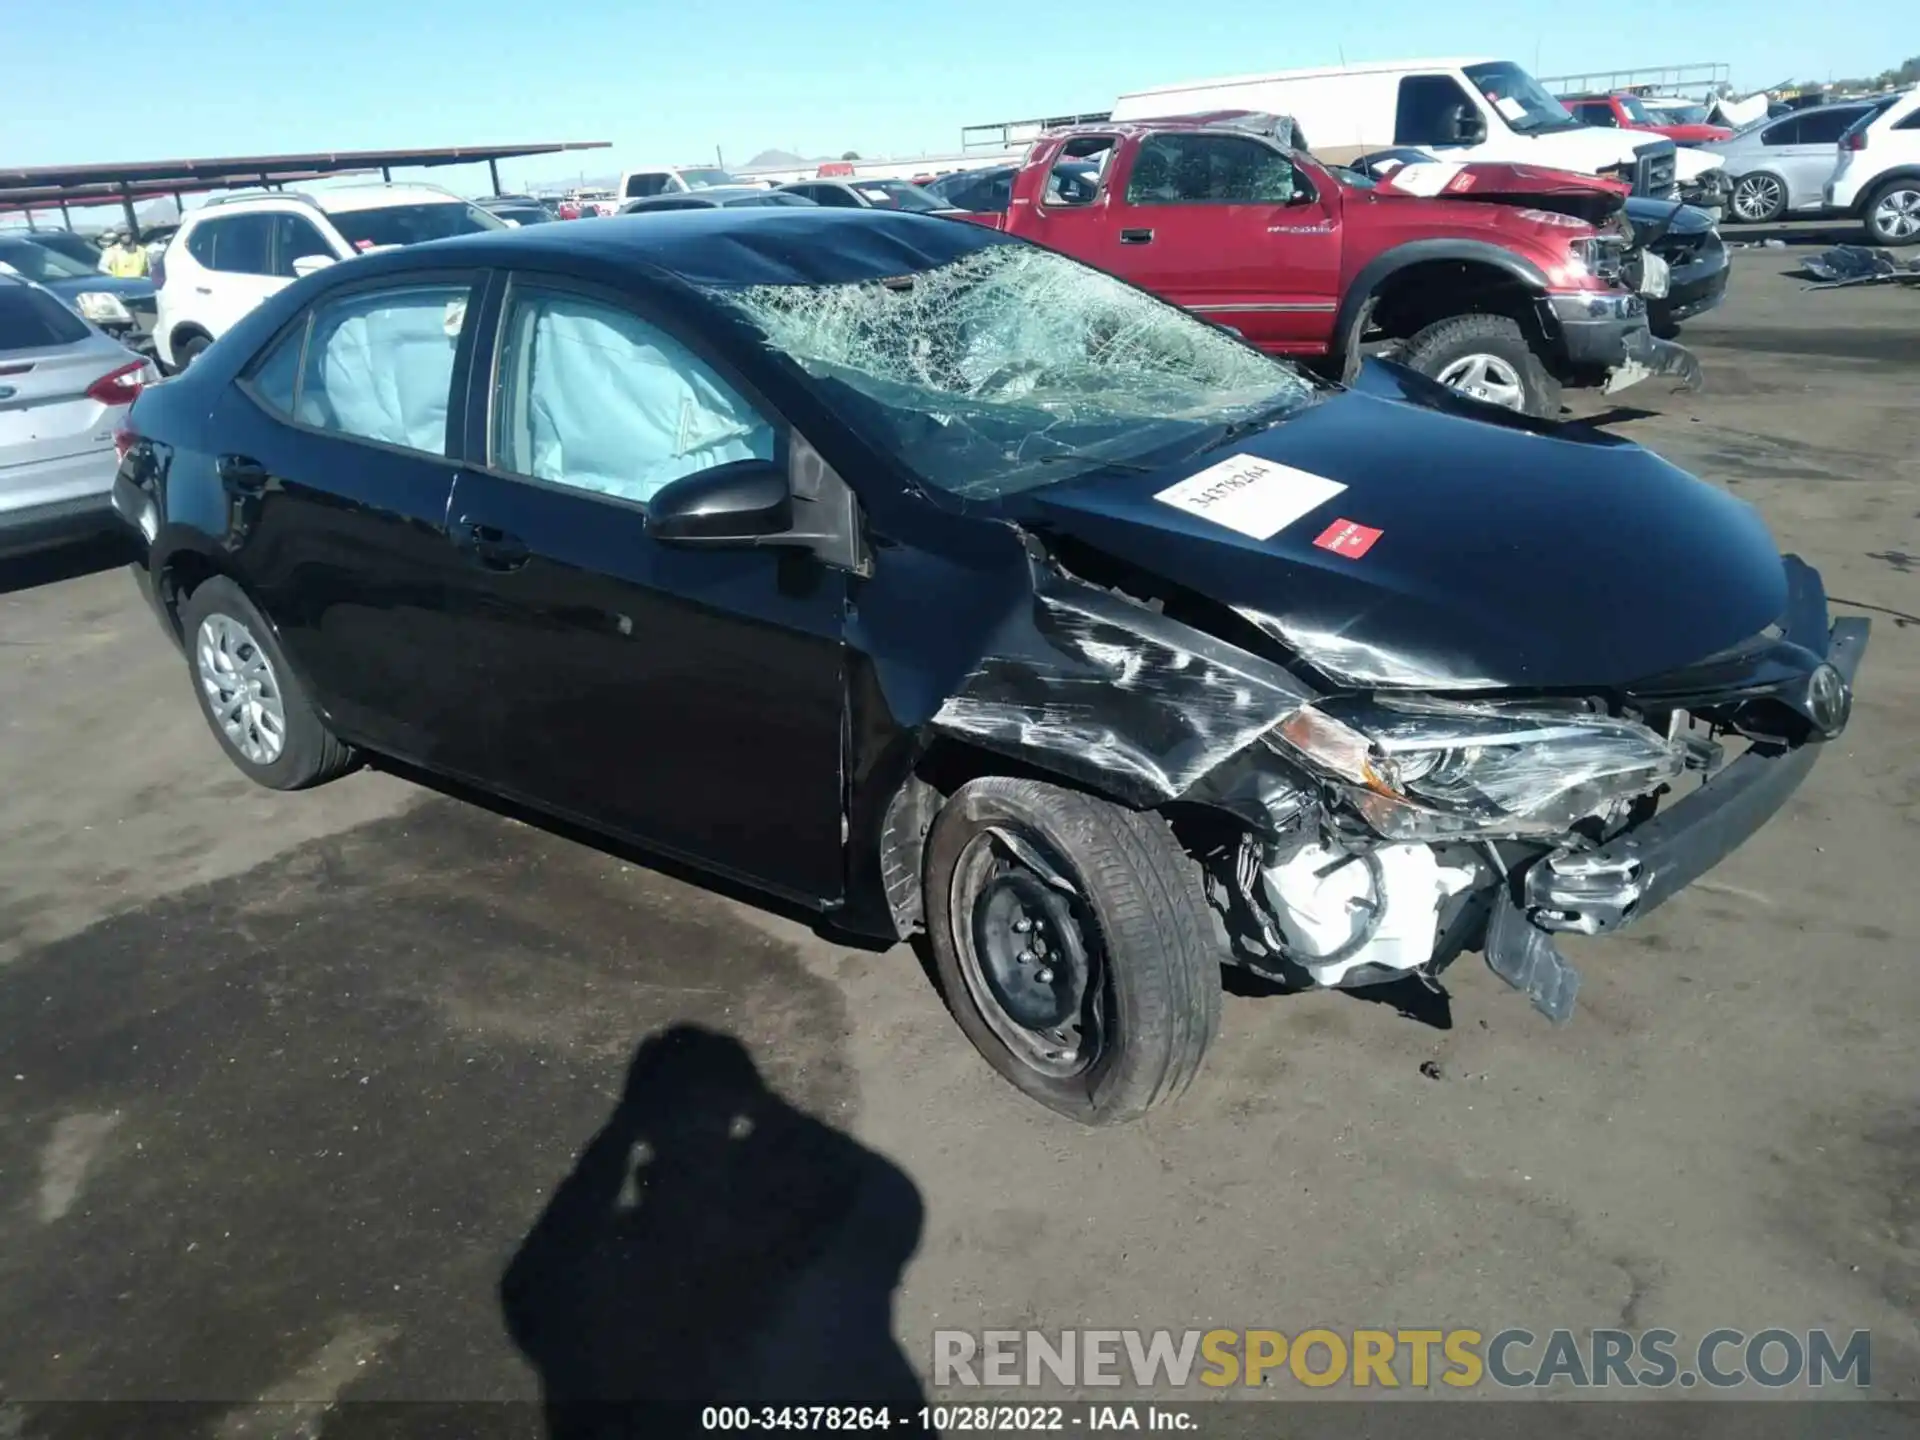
(1378, 831)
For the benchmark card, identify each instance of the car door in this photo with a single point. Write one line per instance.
(1807, 158)
(336, 465)
(239, 252)
(689, 698)
(1229, 227)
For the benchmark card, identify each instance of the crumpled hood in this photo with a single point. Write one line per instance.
(1426, 547)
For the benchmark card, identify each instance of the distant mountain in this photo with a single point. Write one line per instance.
(775, 159)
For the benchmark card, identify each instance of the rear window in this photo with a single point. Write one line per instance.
(411, 224)
(32, 319)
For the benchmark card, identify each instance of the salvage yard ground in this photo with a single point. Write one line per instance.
(287, 1080)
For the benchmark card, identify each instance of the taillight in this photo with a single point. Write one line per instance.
(119, 387)
(123, 439)
(157, 272)
(1856, 140)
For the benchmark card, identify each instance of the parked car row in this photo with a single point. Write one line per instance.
(943, 583)
(1858, 159)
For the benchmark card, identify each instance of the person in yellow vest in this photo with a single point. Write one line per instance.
(121, 257)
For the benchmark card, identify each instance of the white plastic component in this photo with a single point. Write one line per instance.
(1323, 898)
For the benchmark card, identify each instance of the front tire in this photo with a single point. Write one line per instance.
(249, 696)
(1893, 213)
(1487, 358)
(1074, 945)
(1759, 198)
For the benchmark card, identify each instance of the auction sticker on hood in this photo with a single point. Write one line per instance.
(1348, 538)
(1256, 497)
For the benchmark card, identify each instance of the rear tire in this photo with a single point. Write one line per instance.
(1487, 358)
(1116, 1011)
(189, 350)
(248, 693)
(1892, 213)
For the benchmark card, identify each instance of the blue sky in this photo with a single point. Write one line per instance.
(670, 83)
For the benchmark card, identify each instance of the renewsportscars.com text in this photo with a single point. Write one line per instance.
(1513, 1358)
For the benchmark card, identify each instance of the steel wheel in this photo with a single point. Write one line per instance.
(1896, 215)
(1488, 378)
(1028, 952)
(1758, 197)
(242, 691)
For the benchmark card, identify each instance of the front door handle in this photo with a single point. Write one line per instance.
(489, 546)
(1136, 237)
(241, 474)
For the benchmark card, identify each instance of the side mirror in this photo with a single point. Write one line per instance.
(307, 264)
(735, 504)
(1469, 126)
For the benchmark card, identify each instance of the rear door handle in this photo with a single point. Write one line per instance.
(1136, 237)
(489, 546)
(241, 474)
(202, 290)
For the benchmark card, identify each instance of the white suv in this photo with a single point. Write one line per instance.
(232, 253)
(670, 180)
(1878, 174)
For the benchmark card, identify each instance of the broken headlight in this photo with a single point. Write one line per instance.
(1419, 769)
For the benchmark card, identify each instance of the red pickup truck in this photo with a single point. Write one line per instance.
(1498, 283)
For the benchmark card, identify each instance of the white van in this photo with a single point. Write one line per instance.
(1459, 109)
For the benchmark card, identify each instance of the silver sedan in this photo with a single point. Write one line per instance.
(1778, 167)
(64, 389)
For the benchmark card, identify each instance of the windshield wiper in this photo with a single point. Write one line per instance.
(1238, 429)
(1093, 460)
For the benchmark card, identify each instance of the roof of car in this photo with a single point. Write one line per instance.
(758, 245)
(339, 200)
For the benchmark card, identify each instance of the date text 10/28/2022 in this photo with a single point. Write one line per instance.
(949, 1419)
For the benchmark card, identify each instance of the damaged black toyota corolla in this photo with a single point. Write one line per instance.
(935, 580)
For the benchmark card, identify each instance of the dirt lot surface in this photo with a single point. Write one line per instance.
(288, 1082)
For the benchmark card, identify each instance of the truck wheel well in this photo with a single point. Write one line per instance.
(1409, 300)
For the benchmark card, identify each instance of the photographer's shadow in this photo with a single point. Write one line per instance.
(713, 1245)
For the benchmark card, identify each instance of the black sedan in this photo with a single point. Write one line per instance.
(932, 579)
(868, 195)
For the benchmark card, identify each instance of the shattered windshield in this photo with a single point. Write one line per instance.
(1014, 367)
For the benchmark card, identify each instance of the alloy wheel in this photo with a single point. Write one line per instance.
(1488, 378)
(1897, 215)
(242, 691)
(1757, 197)
(1028, 953)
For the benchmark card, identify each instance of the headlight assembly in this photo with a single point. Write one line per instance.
(1428, 769)
(102, 307)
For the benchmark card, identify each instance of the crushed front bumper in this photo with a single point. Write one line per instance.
(1596, 892)
(1606, 332)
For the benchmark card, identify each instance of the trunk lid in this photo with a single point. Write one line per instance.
(45, 411)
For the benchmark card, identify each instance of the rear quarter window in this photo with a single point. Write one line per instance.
(32, 320)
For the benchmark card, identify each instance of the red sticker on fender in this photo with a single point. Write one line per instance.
(1345, 537)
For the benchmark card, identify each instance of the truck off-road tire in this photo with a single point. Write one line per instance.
(1488, 358)
(248, 693)
(1074, 944)
(1892, 213)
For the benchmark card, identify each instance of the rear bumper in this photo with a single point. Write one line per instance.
(57, 522)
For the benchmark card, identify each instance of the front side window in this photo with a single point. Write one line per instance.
(296, 238)
(1074, 178)
(1196, 169)
(1429, 110)
(412, 224)
(379, 365)
(591, 397)
(1596, 112)
(1013, 367)
(1635, 111)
